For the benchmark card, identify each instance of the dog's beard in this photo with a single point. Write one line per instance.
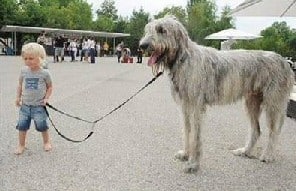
(157, 60)
(157, 68)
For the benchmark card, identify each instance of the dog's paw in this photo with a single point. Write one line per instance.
(182, 155)
(266, 158)
(241, 152)
(191, 167)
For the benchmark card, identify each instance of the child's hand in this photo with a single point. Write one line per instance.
(18, 102)
(45, 101)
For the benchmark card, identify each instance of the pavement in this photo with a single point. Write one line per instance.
(134, 147)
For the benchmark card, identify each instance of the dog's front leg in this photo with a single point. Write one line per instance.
(183, 155)
(194, 141)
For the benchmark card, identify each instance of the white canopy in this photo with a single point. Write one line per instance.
(267, 8)
(25, 29)
(232, 34)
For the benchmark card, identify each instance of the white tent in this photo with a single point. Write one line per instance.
(25, 29)
(267, 8)
(232, 34)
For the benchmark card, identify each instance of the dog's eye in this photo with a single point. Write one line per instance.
(161, 30)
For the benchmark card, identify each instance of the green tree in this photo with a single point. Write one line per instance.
(104, 23)
(225, 21)
(292, 44)
(72, 14)
(8, 12)
(201, 19)
(108, 10)
(221, 23)
(48, 3)
(177, 11)
(78, 14)
(55, 17)
(277, 38)
(65, 3)
(136, 27)
(30, 13)
(106, 17)
(121, 25)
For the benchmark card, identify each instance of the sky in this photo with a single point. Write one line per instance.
(248, 24)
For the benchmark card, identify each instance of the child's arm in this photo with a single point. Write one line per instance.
(19, 93)
(48, 93)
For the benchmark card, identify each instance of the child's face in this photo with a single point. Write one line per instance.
(31, 60)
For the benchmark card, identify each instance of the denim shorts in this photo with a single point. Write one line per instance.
(35, 113)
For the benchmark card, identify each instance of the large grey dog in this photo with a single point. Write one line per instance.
(203, 76)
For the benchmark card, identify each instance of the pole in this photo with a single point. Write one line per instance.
(14, 43)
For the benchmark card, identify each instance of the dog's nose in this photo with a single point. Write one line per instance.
(144, 45)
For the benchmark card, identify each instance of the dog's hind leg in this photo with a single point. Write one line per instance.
(275, 117)
(253, 106)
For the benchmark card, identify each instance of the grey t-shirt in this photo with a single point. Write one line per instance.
(34, 85)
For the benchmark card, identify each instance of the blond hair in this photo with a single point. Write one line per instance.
(34, 49)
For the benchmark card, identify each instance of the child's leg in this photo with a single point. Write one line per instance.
(22, 143)
(41, 125)
(46, 141)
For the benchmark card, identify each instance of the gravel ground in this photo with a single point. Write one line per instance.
(133, 148)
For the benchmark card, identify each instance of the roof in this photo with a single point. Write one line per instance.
(25, 29)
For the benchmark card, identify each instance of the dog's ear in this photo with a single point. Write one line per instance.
(182, 37)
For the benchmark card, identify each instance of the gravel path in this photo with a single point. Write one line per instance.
(133, 148)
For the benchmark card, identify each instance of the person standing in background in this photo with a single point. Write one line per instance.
(92, 45)
(59, 48)
(119, 49)
(73, 49)
(105, 48)
(41, 38)
(84, 52)
(139, 55)
(98, 49)
(44, 41)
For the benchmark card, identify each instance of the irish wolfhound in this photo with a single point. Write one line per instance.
(202, 76)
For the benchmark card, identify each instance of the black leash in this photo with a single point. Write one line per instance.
(96, 121)
(59, 133)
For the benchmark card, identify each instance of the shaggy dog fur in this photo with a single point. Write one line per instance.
(202, 76)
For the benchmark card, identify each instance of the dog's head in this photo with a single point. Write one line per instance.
(165, 39)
